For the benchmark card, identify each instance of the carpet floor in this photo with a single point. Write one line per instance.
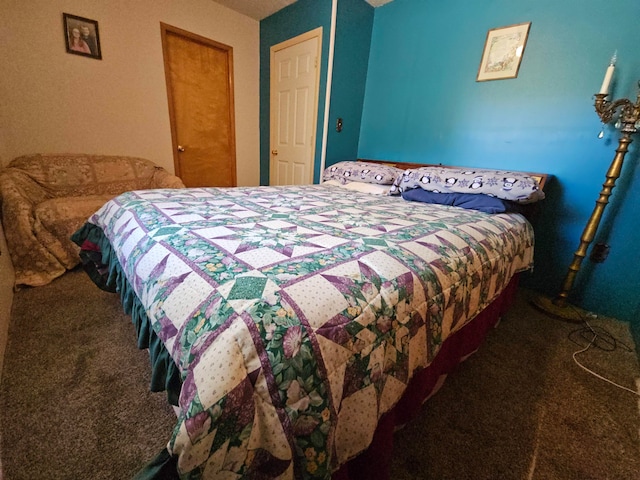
(75, 402)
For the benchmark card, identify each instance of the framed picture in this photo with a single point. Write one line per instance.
(503, 52)
(81, 36)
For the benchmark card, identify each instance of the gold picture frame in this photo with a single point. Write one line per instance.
(503, 52)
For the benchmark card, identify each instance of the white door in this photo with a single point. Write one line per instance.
(295, 72)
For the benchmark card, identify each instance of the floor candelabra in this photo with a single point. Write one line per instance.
(627, 120)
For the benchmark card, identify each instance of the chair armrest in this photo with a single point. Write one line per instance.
(164, 179)
(17, 186)
(20, 194)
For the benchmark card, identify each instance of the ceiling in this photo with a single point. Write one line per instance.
(260, 9)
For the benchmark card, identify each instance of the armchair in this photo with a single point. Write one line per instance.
(46, 198)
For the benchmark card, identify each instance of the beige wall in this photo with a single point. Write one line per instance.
(52, 101)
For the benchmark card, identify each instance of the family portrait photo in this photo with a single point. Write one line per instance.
(81, 36)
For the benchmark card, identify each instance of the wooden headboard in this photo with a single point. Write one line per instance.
(540, 177)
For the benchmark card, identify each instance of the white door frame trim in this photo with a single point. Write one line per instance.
(327, 100)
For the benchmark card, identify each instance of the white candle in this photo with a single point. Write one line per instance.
(607, 79)
(609, 74)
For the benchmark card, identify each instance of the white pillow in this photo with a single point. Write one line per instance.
(372, 188)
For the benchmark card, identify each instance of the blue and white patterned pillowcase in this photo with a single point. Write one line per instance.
(364, 172)
(514, 186)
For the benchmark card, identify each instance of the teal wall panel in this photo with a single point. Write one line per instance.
(296, 19)
(423, 104)
(354, 25)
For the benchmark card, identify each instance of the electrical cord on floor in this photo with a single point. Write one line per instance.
(598, 337)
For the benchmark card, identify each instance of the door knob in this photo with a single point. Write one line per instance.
(274, 152)
(180, 148)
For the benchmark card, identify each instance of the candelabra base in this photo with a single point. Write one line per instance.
(568, 313)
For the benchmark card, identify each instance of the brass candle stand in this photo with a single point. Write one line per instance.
(628, 121)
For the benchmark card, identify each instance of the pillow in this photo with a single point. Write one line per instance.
(514, 186)
(362, 172)
(371, 188)
(470, 201)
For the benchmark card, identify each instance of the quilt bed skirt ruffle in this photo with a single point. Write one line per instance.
(102, 266)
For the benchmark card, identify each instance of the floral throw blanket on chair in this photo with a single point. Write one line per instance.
(45, 198)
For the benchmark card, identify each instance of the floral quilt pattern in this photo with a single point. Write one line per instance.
(297, 315)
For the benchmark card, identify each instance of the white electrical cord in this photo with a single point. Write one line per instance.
(575, 359)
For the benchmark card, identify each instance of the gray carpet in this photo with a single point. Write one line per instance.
(75, 389)
(75, 400)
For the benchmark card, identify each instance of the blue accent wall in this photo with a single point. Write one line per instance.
(294, 20)
(354, 25)
(423, 104)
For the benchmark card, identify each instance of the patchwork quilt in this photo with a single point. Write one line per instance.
(297, 315)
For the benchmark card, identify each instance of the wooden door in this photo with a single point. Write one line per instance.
(199, 75)
(294, 108)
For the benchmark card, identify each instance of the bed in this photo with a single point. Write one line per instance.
(295, 327)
